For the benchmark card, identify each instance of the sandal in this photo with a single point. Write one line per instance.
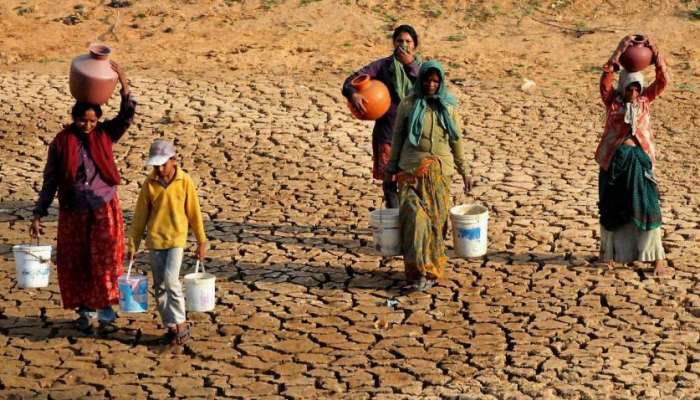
(424, 284)
(107, 328)
(83, 324)
(181, 334)
(420, 285)
(167, 338)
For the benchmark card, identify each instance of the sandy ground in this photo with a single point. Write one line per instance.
(250, 92)
(225, 39)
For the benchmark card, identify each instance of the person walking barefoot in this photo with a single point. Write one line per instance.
(630, 213)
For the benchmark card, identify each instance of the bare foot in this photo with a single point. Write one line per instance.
(659, 269)
(611, 265)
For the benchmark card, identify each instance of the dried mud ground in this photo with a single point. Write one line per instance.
(283, 175)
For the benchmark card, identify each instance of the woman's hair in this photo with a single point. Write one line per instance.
(637, 84)
(80, 108)
(408, 29)
(431, 70)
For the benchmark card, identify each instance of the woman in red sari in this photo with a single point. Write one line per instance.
(81, 168)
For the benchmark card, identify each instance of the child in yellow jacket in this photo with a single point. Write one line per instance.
(166, 207)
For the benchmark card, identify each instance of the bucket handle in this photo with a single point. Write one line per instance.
(466, 198)
(128, 270)
(381, 213)
(196, 267)
(381, 218)
(38, 258)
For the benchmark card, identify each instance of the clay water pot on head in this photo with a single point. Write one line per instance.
(92, 79)
(638, 55)
(378, 99)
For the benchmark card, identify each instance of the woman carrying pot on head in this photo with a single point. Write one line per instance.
(630, 214)
(426, 151)
(397, 72)
(81, 168)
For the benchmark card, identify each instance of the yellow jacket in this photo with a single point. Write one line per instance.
(165, 212)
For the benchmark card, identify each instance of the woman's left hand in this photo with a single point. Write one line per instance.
(201, 251)
(467, 184)
(654, 50)
(122, 76)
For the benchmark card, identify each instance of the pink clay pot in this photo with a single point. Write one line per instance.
(638, 55)
(92, 79)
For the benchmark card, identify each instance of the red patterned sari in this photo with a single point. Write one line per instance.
(89, 255)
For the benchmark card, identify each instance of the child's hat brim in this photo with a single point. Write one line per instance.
(157, 160)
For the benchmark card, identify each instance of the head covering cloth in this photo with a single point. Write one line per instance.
(631, 108)
(442, 99)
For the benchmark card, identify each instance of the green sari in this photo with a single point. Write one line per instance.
(627, 191)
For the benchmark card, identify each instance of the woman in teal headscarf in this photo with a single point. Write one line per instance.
(426, 150)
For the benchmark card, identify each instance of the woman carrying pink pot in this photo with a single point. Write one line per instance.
(630, 213)
(80, 167)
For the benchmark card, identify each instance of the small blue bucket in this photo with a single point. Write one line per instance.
(133, 292)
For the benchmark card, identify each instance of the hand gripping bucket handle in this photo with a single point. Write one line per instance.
(200, 291)
(196, 267)
(38, 258)
(41, 260)
(132, 295)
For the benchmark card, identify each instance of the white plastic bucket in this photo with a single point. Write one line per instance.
(470, 229)
(200, 290)
(133, 292)
(385, 231)
(33, 265)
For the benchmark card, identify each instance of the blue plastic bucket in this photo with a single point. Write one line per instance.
(133, 292)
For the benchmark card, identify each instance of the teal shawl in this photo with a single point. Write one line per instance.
(443, 99)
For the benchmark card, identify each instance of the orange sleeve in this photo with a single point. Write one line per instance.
(607, 92)
(659, 85)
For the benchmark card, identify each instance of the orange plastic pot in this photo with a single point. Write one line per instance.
(638, 55)
(376, 94)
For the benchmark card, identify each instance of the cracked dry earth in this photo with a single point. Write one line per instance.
(283, 173)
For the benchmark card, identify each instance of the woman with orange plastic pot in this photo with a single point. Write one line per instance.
(398, 72)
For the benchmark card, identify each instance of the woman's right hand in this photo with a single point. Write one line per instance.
(467, 179)
(358, 101)
(130, 255)
(36, 229)
(621, 47)
(404, 56)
